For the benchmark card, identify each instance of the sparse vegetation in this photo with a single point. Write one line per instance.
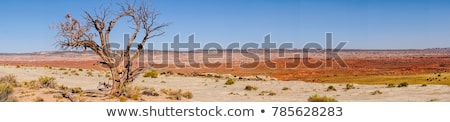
(9, 79)
(424, 85)
(90, 74)
(269, 93)
(349, 86)
(272, 94)
(76, 90)
(62, 68)
(177, 94)
(229, 81)
(391, 85)
(376, 92)
(5, 91)
(151, 74)
(133, 92)
(47, 82)
(285, 88)
(251, 88)
(188, 94)
(318, 98)
(403, 84)
(331, 88)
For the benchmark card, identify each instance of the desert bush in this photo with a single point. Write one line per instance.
(133, 92)
(32, 84)
(9, 79)
(177, 94)
(376, 92)
(318, 98)
(403, 84)
(229, 81)
(76, 90)
(391, 85)
(80, 70)
(90, 74)
(285, 88)
(331, 88)
(271, 93)
(349, 86)
(5, 91)
(47, 82)
(250, 88)
(424, 85)
(17, 66)
(188, 95)
(62, 87)
(152, 74)
(62, 68)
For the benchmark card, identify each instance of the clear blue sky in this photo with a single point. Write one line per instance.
(364, 24)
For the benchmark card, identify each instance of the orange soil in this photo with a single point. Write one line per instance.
(357, 67)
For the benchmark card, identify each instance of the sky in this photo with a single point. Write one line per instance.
(363, 24)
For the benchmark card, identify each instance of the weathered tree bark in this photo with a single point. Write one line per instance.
(74, 34)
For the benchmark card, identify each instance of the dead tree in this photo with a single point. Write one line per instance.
(73, 34)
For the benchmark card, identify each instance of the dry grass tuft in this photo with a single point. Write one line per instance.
(76, 90)
(5, 91)
(318, 98)
(331, 88)
(152, 74)
(229, 81)
(250, 88)
(47, 82)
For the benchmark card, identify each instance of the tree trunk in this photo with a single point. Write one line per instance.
(117, 82)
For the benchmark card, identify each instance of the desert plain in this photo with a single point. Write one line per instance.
(370, 76)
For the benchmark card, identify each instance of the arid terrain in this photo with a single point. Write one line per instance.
(371, 75)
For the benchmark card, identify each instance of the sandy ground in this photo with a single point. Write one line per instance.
(214, 90)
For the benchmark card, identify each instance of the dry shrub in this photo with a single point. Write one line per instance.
(76, 90)
(229, 81)
(318, 98)
(188, 94)
(47, 82)
(133, 92)
(376, 92)
(403, 84)
(152, 74)
(285, 88)
(5, 91)
(177, 94)
(269, 93)
(9, 79)
(90, 74)
(391, 85)
(250, 88)
(331, 88)
(349, 86)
